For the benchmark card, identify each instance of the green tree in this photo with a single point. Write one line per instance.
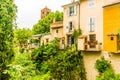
(43, 25)
(66, 65)
(23, 35)
(102, 65)
(7, 22)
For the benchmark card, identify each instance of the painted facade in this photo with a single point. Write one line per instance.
(112, 27)
(91, 23)
(70, 21)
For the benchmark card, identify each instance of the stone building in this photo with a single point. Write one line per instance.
(44, 12)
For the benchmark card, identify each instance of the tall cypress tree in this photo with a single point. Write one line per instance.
(7, 20)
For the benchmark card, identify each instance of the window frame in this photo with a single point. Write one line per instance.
(91, 24)
(91, 4)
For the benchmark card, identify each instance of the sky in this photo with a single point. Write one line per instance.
(29, 10)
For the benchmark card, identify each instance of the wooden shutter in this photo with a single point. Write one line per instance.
(93, 22)
(75, 9)
(67, 26)
(88, 26)
(67, 11)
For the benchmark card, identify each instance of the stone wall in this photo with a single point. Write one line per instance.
(90, 58)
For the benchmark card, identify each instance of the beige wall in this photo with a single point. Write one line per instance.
(97, 12)
(59, 34)
(57, 26)
(43, 39)
(90, 58)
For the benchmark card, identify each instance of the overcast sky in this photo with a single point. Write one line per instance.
(29, 10)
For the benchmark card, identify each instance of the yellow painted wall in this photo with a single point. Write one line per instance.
(111, 25)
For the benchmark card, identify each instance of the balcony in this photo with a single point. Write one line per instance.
(69, 31)
(84, 45)
(97, 47)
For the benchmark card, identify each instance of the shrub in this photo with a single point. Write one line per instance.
(106, 72)
(107, 75)
(21, 50)
(62, 65)
(67, 66)
(102, 65)
(22, 68)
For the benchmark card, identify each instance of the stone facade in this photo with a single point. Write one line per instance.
(44, 12)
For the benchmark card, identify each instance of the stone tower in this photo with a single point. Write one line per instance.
(44, 12)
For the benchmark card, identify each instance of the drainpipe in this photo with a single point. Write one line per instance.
(79, 15)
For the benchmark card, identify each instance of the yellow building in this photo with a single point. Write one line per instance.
(112, 27)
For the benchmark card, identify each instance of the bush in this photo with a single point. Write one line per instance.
(21, 50)
(44, 53)
(106, 72)
(22, 68)
(102, 65)
(67, 66)
(107, 75)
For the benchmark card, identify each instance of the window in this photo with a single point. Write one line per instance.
(92, 39)
(57, 31)
(112, 38)
(91, 24)
(70, 26)
(71, 10)
(63, 43)
(70, 41)
(47, 12)
(91, 3)
(47, 40)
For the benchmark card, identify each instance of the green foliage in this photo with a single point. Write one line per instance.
(21, 50)
(76, 34)
(42, 77)
(14, 71)
(58, 16)
(44, 53)
(119, 39)
(108, 75)
(7, 22)
(23, 35)
(102, 65)
(22, 68)
(43, 25)
(106, 72)
(66, 64)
